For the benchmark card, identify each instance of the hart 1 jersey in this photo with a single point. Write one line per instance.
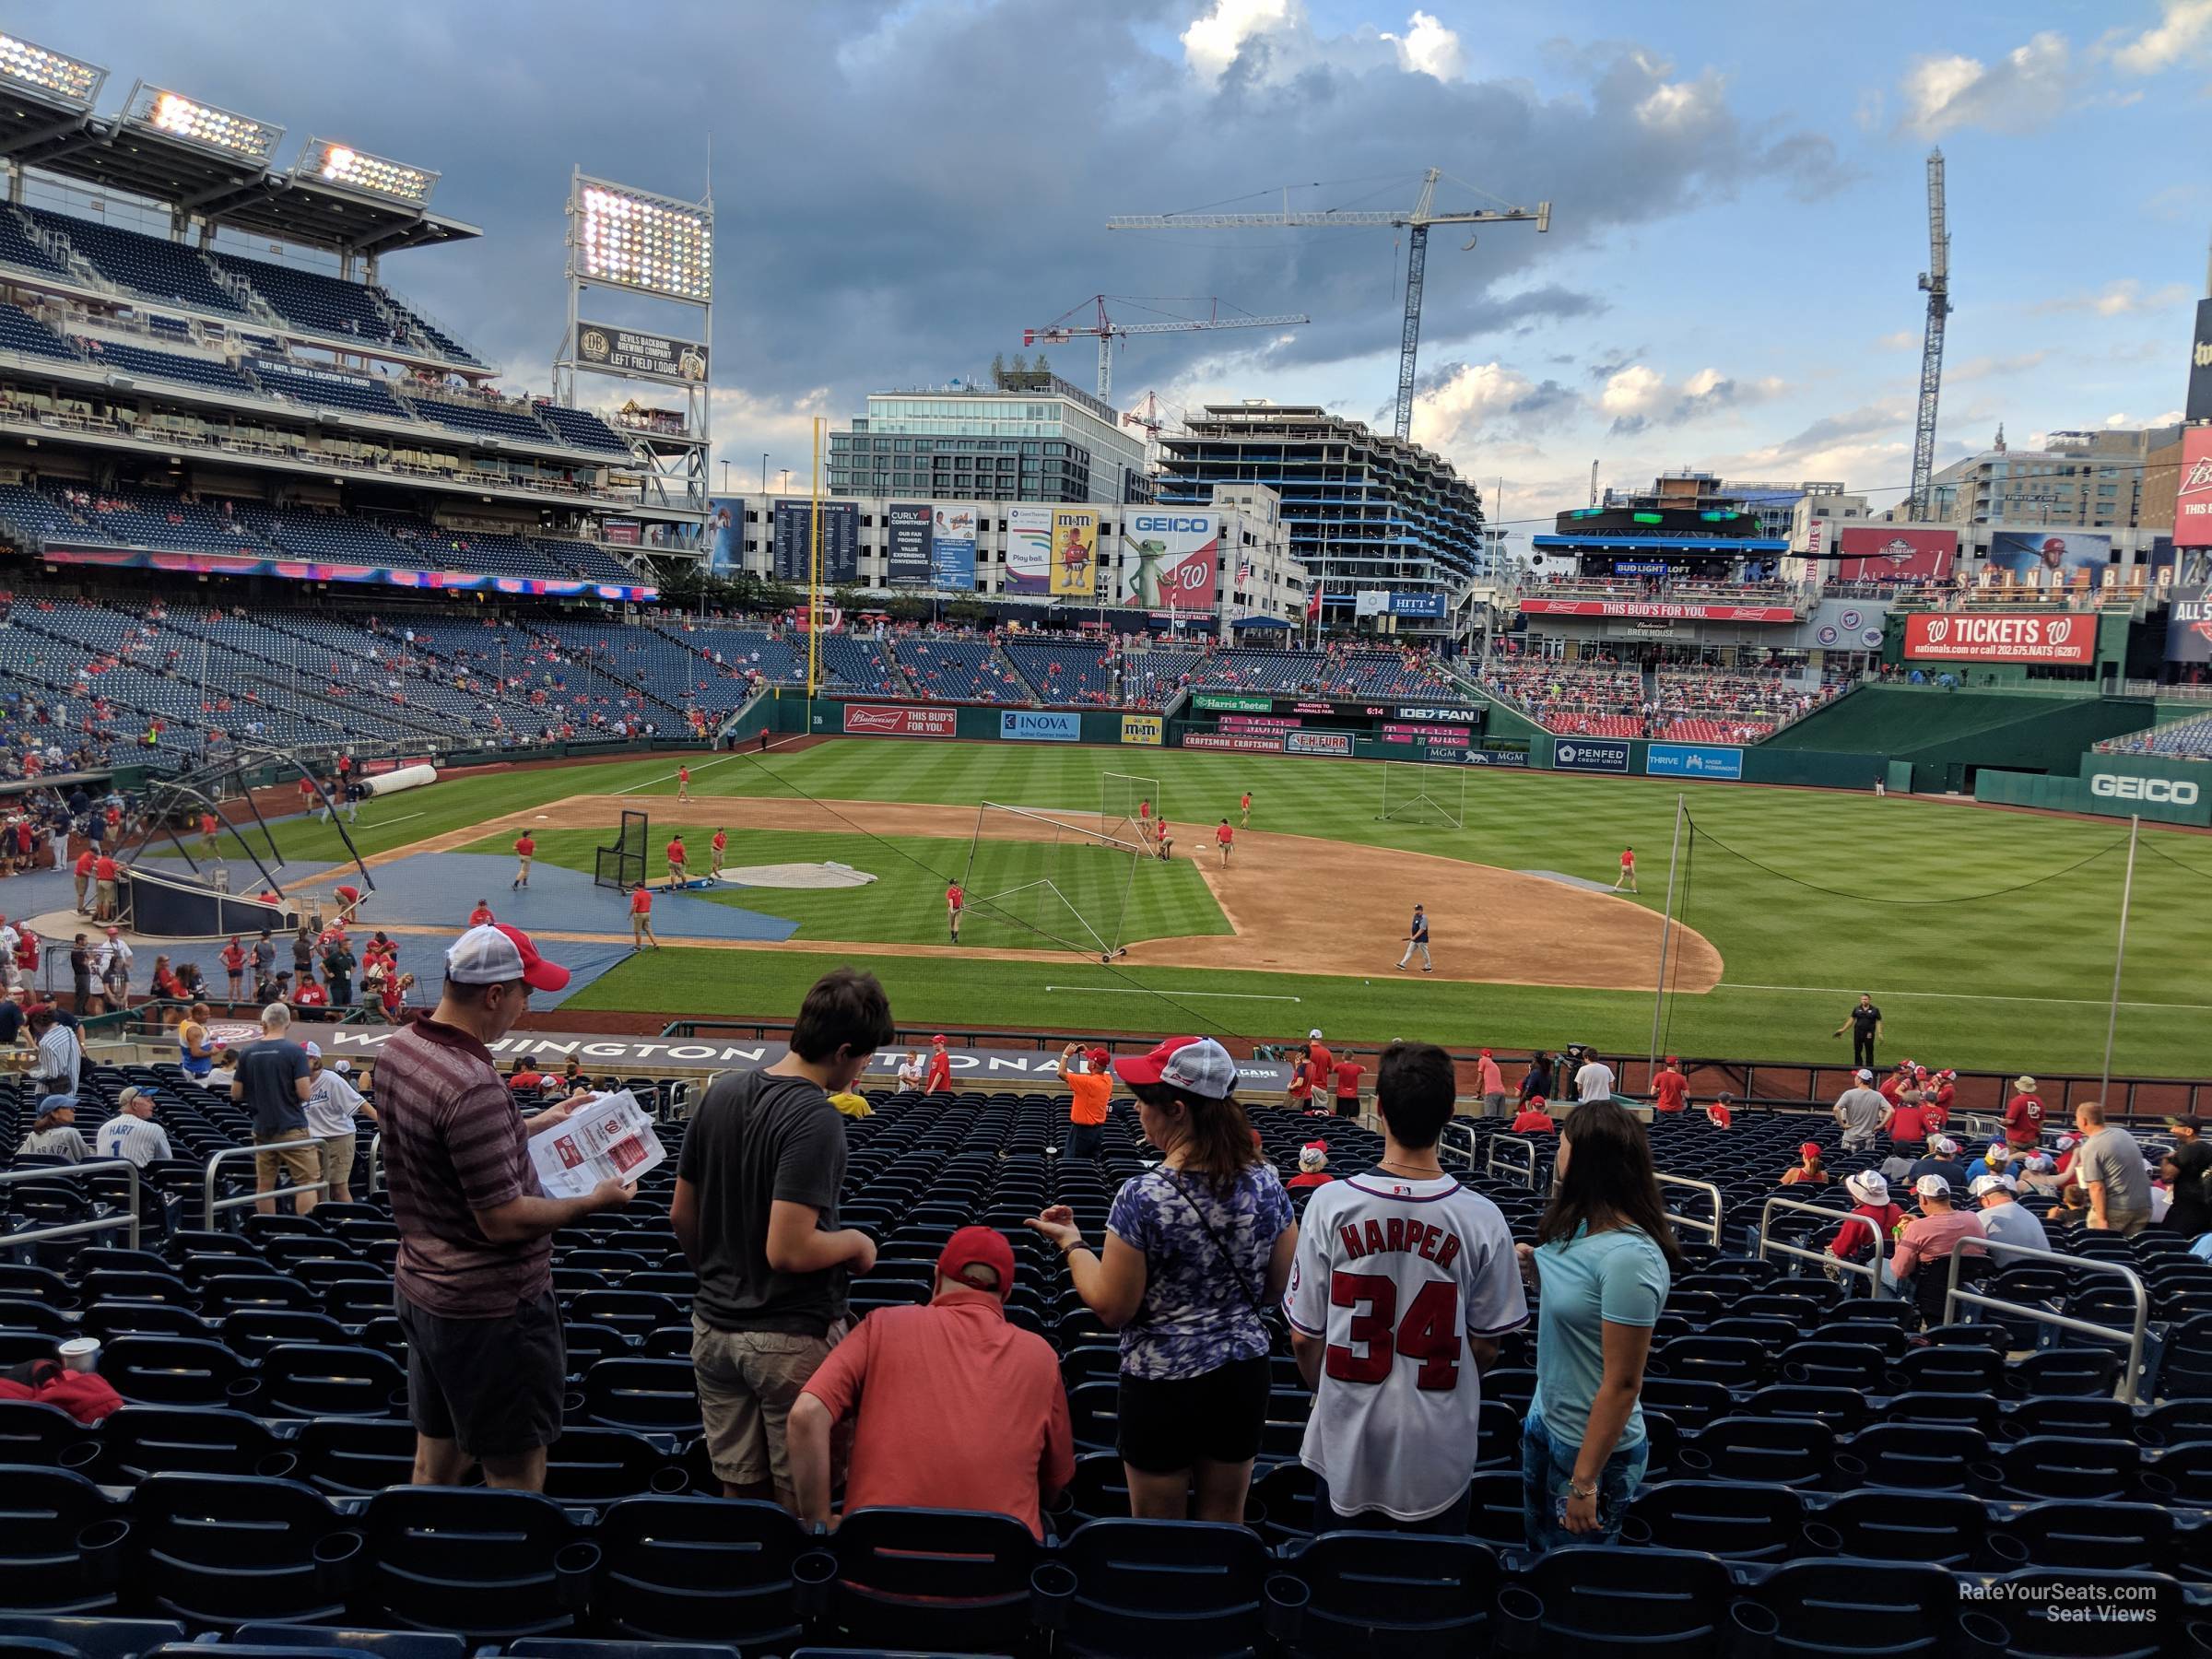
(1396, 1276)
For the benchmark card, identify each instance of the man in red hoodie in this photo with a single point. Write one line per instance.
(2023, 1114)
(938, 1078)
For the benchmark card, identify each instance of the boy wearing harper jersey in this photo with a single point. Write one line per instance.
(1403, 1283)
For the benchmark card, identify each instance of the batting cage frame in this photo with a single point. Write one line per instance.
(1117, 805)
(1061, 920)
(1417, 791)
(621, 865)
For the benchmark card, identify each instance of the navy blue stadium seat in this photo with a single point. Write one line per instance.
(352, 1456)
(491, 1565)
(61, 1543)
(221, 1549)
(1844, 1608)
(1742, 1522)
(1365, 1593)
(85, 1638)
(939, 1579)
(700, 1569)
(140, 1440)
(654, 1396)
(1155, 1590)
(1584, 1600)
(383, 1644)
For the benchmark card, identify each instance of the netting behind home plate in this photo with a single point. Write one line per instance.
(1033, 880)
(621, 865)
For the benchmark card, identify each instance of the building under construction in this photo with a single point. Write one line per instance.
(1389, 531)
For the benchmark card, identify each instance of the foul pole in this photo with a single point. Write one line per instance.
(2111, 1017)
(814, 578)
(1666, 928)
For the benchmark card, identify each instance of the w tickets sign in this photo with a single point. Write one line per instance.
(1950, 637)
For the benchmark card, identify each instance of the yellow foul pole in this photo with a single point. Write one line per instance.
(814, 591)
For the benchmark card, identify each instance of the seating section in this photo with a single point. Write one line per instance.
(17, 247)
(1065, 672)
(19, 331)
(1591, 702)
(139, 362)
(862, 664)
(150, 266)
(2189, 738)
(588, 560)
(1279, 672)
(326, 389)
(955, 670)
(474, 417)
(1824, 1476)
(1714, 705)
(327, 304)
(580, 429)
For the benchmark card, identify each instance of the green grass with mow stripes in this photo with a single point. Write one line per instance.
(1987, 937)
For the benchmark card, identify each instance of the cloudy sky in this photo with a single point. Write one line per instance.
(901, 188)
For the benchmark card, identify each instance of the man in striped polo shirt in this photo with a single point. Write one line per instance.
(131, 1133)
(473, 1286)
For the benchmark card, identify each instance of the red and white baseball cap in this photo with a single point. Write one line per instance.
(1810, 1150)
(1197, 1065)
(495, 954)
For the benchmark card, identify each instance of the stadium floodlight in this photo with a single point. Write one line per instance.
(326, 162)
(160, 111)
(633, 238)
(61, 77)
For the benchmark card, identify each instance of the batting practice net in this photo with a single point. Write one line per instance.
(1128, 806)
(1033, 880)
(1416, 793)
(621, 865)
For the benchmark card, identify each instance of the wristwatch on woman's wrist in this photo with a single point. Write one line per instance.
(1576, 1489)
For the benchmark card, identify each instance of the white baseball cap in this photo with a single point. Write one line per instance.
(1943, 1146)
(1991, 1184)
(1862, 1075)
(344, 1065)
(1932, 1187)
(314, 1051)
(1868, 1186)
(1314, 1033)
(495, 954)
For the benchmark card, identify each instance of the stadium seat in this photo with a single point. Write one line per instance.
(493, 1566)
(61, 1543)
(1740, 1522)
(219, 1551)
(654, 1396)
(1841, 1608)
(1947, 1529)
(1364, 1593)
(1585, 1599)
(39, 1636)
(1155, 1590)
(682, 1568)
(936, 1579)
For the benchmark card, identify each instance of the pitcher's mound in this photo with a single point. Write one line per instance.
(798, 876)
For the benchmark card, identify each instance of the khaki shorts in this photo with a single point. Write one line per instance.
(337, 1152)
(298, 1164)
(748, 1383)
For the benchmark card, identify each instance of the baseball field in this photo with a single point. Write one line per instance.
(1987, 937)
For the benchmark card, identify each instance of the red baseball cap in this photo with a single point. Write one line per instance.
(938, 1040)
(979, 1247)
(494, 953)
(1097, 1057)
(1197, 1064)
(1810, 1150)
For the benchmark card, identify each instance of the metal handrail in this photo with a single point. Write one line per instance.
(1872, 1268)
(1491, 1165)
(209, 1206)
(376, 1163)
(1980, 1246)
(77, 1228)
(1711, 1228)
(1445, 1147)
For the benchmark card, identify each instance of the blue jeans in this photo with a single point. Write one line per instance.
(1548, 1465)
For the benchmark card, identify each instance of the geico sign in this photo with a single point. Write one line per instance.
(2171, 792)
(1167, 524)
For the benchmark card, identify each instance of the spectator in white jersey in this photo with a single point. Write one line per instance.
(1401, 1283)
(1595, 1080)
(131, 1133)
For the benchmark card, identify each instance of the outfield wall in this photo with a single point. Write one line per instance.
(2154, 787)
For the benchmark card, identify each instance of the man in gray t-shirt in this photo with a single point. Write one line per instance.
(1860, 1110)
(2113, 1171)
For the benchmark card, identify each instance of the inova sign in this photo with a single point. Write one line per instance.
(2164, 792)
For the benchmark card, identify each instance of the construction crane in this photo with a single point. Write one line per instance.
(1936, 281)
(1418, 220)
(1063, 328)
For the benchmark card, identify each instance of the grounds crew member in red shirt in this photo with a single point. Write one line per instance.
(1490, 1084)
(719, 845)
(955, 896)
(2023, 1114)
(85, 861)
(481, 916)
(487, 1364)
(1245, 806)
(956, 1409)
(208, 823)
(683, 784)
(640, 918)
(1090, 1087)
(1628, 870)
(525, 849)
(938, 1078)
(676, 862)
(1670, 1089)
(1323, 1061)
(1346, 1073)
(103, 878)
(234, 964)
(1226, 837)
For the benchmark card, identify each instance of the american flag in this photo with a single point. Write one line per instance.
(1244, 572)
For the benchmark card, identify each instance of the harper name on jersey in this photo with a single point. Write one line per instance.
(1377, 1235)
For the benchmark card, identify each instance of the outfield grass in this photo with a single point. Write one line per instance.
(1985, 944)
(1090, 886)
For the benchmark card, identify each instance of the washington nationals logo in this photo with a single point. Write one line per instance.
(2057, 631)
(1939, 629)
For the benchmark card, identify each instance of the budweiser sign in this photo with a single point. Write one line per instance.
(899, 719)
(2193, 495)
(2001, 637)
(1646, 607)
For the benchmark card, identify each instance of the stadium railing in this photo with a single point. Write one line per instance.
(1720, 1208)
(1956, 1296)
(1768, 1245)
(127, 1219)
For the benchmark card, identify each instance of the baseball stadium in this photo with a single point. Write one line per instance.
(530, 977)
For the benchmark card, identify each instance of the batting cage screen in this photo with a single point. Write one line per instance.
(621, 865)
(1128, 806)
(1416, 793)
(1037, 882)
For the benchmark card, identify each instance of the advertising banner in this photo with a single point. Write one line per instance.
(2193, 494)
(794, 542)
(1453, 712)
(899, 719)
(1692, 760)
(2189, 628)
(1028, 549)
(952, 549)
(1878, 553)
(1232, 702)
(2199, 405)
(1371, 601)
(1242, 746)
(643, 355)
(726, 535)
(1148, 729)
(1483, 757)
(1169, 560)
(906, 543)
(1658, 610)
(1075, 555)
(1417, 604)
(1435, 737)
(2048, 559)
(1025, 725)
(1317, 743)
(2001, 637)
(1590, 754)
